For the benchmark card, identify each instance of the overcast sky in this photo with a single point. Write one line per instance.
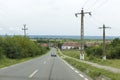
(56, 17)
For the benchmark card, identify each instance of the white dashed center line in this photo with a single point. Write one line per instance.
(33, 73)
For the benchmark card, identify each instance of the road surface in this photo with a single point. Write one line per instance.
(42, 68)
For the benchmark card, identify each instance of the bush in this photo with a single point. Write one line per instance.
(17, 47)
(94, 51)
(112, 50)
(1, 53)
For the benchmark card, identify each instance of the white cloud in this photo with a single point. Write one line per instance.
(57, 16)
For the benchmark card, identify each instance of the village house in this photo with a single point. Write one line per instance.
(70, 45)
(44, 44)
(76, 45)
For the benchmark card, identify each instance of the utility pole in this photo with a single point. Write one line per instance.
(104, 27)
(82, 32)
(24, 28)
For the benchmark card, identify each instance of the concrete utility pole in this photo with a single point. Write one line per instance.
(104, 55)
(82, 32)
(24, 29)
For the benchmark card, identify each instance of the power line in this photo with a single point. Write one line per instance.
(100, 5)
(97, 21)
(93, 4)
(84, 4)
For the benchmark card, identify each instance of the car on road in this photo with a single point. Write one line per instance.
(53, 55)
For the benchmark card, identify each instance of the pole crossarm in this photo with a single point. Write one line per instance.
(104, 27)
(82, 32)
(82, 13)
(25, 29)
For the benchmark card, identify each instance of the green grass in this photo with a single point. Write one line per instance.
(114, 63)
(72, 53)
(8, 62)
(75, 54)
(92, 71)
(89, 70)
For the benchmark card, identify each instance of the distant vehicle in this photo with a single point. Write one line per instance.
(53, 55)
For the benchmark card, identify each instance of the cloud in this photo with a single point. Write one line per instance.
(1, 28)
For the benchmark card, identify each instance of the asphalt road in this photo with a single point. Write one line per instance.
(42, 68)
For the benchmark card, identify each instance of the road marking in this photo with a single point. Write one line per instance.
(4, 68)
(33, 73)
(72, 68)
(81, 75)
(76, 71)
(86, 79)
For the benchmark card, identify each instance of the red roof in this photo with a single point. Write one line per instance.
(72, 44)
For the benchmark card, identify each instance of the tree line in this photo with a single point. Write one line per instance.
(112, 50)
(18, 47)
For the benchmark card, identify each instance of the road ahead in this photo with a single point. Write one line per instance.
(42, 68)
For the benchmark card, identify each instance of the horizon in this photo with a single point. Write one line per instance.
(66, 37)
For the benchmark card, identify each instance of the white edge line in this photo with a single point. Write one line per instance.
(33, 73)
(76, 71)
(72, 68)
(86, 79)
(81, 75)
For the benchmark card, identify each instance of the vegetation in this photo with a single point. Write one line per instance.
(109, 62)
(13, 49)
(72, 53)
(93, 72)
(7, 62)
(52, 42)
(112, 50)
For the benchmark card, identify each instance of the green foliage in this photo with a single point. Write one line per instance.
(72, 53)
(115, 42)
(1, 53)
(94, 51)
(93, 72)
(18, 47)
(7, 61)
(109, 62)
(112, 50)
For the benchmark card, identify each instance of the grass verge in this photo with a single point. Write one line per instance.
(93, 72)
(8, 62)
(75, 54)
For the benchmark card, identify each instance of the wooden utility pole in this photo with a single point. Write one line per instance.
(24, 28)
(104, 55)
(82, 32)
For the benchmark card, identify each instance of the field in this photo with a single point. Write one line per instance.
(75, 53)
(93, 72)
